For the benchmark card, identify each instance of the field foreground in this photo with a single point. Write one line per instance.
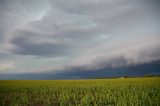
(99, 92)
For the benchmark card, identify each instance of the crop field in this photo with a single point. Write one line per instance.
(97, 92)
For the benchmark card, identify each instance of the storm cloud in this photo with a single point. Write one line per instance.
(58, 35)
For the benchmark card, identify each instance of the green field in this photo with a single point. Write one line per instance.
(98, 92)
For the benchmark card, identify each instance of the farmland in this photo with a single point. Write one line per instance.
(96, 92)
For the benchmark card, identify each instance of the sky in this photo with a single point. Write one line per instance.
(79, 37)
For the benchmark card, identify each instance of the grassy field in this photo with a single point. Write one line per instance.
(99, 92)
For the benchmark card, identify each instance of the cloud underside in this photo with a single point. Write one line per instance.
(78, 34)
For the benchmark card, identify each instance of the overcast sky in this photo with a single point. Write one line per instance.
(58, 35)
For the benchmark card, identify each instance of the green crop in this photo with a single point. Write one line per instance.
(98, 92)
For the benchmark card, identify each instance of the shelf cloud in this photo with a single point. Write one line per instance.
(57, 35)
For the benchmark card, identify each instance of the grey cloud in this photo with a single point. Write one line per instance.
(64, 42)
(16, 13)
(24, 44)
(111, 15)
(138, 52)
(89, 6)
(150, 54)
(93, 34)
(118, 61)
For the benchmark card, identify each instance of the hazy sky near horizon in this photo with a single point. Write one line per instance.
(58, 35)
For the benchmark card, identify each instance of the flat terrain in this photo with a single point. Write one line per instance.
(98, 92)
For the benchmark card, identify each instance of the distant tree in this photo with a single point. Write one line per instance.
(125, 76)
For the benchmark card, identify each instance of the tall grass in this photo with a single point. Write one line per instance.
(100, 92)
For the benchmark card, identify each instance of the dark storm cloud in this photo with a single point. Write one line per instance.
(115, 62)
(28, 43)
(91, 34)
